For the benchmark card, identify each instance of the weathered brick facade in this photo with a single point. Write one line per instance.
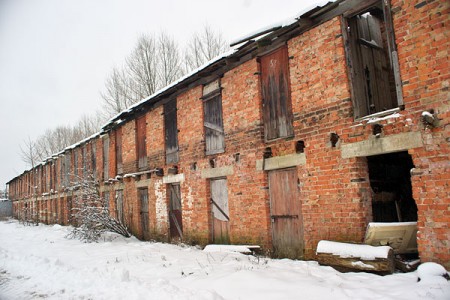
(335, 192)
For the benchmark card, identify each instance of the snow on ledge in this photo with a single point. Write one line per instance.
(230, 248)
(345, 250)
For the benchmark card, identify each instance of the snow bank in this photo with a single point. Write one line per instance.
(365, 252)
(431, 272)
(39, 262)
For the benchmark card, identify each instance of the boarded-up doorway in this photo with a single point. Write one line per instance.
(286, 214)
(143, 197)
(119, 206)
(220, 212)
(175, 216)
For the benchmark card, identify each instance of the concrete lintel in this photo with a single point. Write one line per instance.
(281, 162)
(142, 183)
(217, 172)
(173, 178)
(382, 145)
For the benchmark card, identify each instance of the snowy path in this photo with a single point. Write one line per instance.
(40, 263)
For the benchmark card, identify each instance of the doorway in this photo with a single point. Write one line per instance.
(143, 197)
(390, 181)
(175, 214)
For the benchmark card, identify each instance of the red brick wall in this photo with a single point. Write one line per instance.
(422, 35)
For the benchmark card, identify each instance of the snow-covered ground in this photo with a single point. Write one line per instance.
(38, 262)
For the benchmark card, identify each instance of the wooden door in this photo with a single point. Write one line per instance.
(143, 196)
(175, 215)
(119, 206)
(220, 212)
(285, 213)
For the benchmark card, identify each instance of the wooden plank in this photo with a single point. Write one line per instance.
(352, 264)
(401, 236)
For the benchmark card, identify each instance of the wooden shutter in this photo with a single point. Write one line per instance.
(119, 163)
(106, 158)
(93, 159)
(75, 163)
(277, 112)
(213, 119)
(141, 126)
(372, 63)
(171, 131)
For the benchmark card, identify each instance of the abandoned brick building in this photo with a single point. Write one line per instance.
(303, 132)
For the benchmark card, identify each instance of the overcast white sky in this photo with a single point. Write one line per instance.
(56, 54)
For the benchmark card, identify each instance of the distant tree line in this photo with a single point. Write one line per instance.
(155, 62)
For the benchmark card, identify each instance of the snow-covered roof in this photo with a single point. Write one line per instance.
(315, 8)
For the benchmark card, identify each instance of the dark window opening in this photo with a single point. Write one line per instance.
(372, 60)
(213, 119)
(277, 111)
(171, 131)
(390, 180)
(141, 142)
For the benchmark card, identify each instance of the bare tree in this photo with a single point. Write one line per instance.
(204, 46)
(169, 61)
(54, 140)
(141, 68)
(30, 152)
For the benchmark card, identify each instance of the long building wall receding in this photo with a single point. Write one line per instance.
(272, 144)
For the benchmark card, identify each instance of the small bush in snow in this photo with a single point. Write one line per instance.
(90, 213)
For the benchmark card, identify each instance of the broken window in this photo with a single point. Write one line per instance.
(390, 180)
(372, 60)
(106, 157)
(171, 131)
(213, 122)
(119, 163)
(277, 111)
(141, 142)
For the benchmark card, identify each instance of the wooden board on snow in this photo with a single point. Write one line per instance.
(346, 257)
(401, 236)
